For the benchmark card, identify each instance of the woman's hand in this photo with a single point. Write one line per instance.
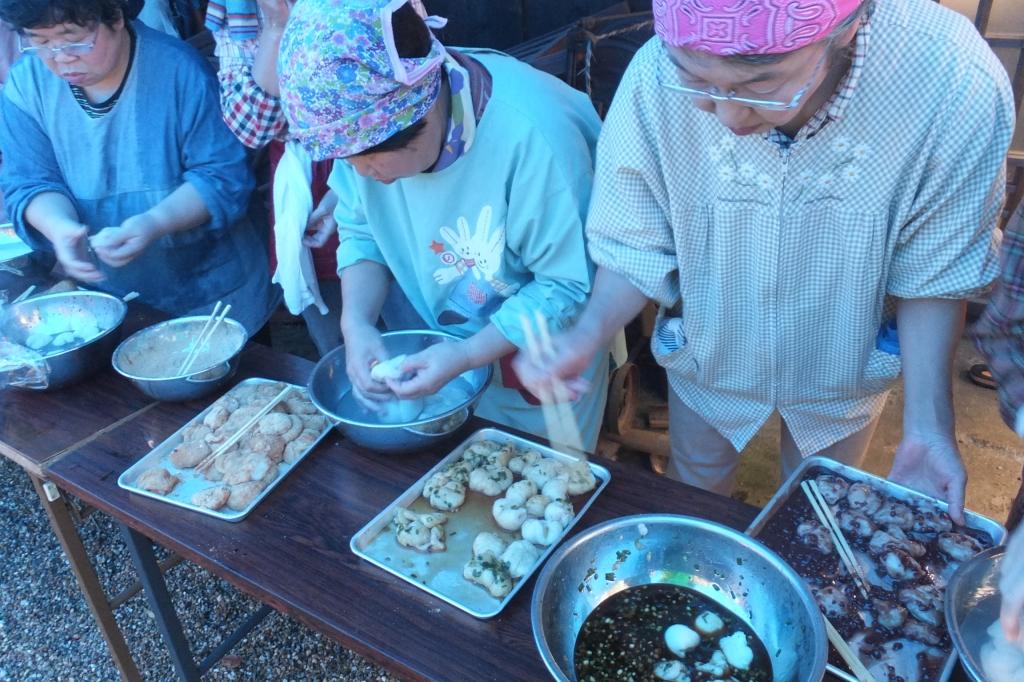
(433, 367)
(572, 353)
(71, 247)
(321, 224)
(118, 246)
(363, 349)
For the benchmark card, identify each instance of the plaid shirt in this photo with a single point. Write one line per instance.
(779, 258)
(253, 115)
(999, 333)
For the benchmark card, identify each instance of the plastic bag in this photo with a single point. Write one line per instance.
(21, 367)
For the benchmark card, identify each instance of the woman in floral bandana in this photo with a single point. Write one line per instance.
(464, 173)
(790, 179)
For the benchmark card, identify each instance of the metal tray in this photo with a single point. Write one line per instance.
(192, 482)
(440, 574)
(995, 532)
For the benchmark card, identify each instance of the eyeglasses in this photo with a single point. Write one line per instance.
(717, 95)
(71, 49)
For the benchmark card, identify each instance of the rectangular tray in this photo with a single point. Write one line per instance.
(974, 521)
(191, 482)
(440, 574)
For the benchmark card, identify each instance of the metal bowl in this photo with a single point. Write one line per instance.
(732, 569)
(51, 314)
(329, 387)
(152, 357)
(972, 605)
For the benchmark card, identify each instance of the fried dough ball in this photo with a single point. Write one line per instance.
(217, 416)
(243, 494)
(157, 480)
(189, 454)
(294, 449)
(315, 422)
(294, 430)
(196, 431)
(240, 418)
(300, 405)
(491, 480)
(270, 445)
(268, 391)
(228, 401)
(253, 466)
(212, 498)
(274, 423)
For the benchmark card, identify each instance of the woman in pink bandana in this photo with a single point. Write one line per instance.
(792, 181)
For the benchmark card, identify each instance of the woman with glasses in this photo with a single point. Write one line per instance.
(117, 160)
(464, 174)
(792, 182)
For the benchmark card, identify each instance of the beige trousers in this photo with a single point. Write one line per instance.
(704, 458)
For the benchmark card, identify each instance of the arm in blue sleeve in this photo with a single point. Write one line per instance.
(355, 238)
(29, 169)
(215, 162)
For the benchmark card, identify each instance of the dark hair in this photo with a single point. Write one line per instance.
(29, 14)
(412, 39)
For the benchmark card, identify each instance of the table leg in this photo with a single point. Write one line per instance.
(146, 565)
(152, 579)
(64, 528)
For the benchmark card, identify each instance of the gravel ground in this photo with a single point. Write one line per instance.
(48, 633)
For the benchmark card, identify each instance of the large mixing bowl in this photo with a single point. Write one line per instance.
(732, 569)
(330, 388)
(972, 605)
(152, 358)
(94, 315)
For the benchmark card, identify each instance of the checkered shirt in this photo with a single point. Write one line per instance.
(781, 260)
(253, 115)
(999, 333)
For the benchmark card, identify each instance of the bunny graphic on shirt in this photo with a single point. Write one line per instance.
(473, 264)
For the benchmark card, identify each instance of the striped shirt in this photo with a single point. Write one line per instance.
(779, 258)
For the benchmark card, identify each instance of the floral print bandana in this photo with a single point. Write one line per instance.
(344, 88)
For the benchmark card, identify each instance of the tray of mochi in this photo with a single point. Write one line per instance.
(905, 544)
(477, 525)
(230, 456)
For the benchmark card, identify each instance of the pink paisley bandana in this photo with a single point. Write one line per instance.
(728, 27)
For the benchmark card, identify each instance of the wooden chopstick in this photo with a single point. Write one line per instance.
(570, 430)
(195, 344)
(560, 421)
(25, 294)
(212, 457)
(204, 341)
(856, 667)
(843, 549)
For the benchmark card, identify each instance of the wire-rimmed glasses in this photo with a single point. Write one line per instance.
(754, 102)
(45, 52)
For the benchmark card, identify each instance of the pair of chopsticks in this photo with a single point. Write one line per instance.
(849, 559)
(209, 329)
(208, 461)
(828, 520)
(25, 294)
(555, 403)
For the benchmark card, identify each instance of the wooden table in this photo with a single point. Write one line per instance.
(292, 551)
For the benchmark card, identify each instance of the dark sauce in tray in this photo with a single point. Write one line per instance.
(624, 637)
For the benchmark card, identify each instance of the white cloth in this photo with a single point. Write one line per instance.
(157, 14)
(293, 202)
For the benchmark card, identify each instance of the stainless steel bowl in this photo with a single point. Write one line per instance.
(151, 358)
(972, 605)
(73, 310)
(329, 387)
(734, 570)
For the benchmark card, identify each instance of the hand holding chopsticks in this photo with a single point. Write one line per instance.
(555, 398)
(203, 339)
